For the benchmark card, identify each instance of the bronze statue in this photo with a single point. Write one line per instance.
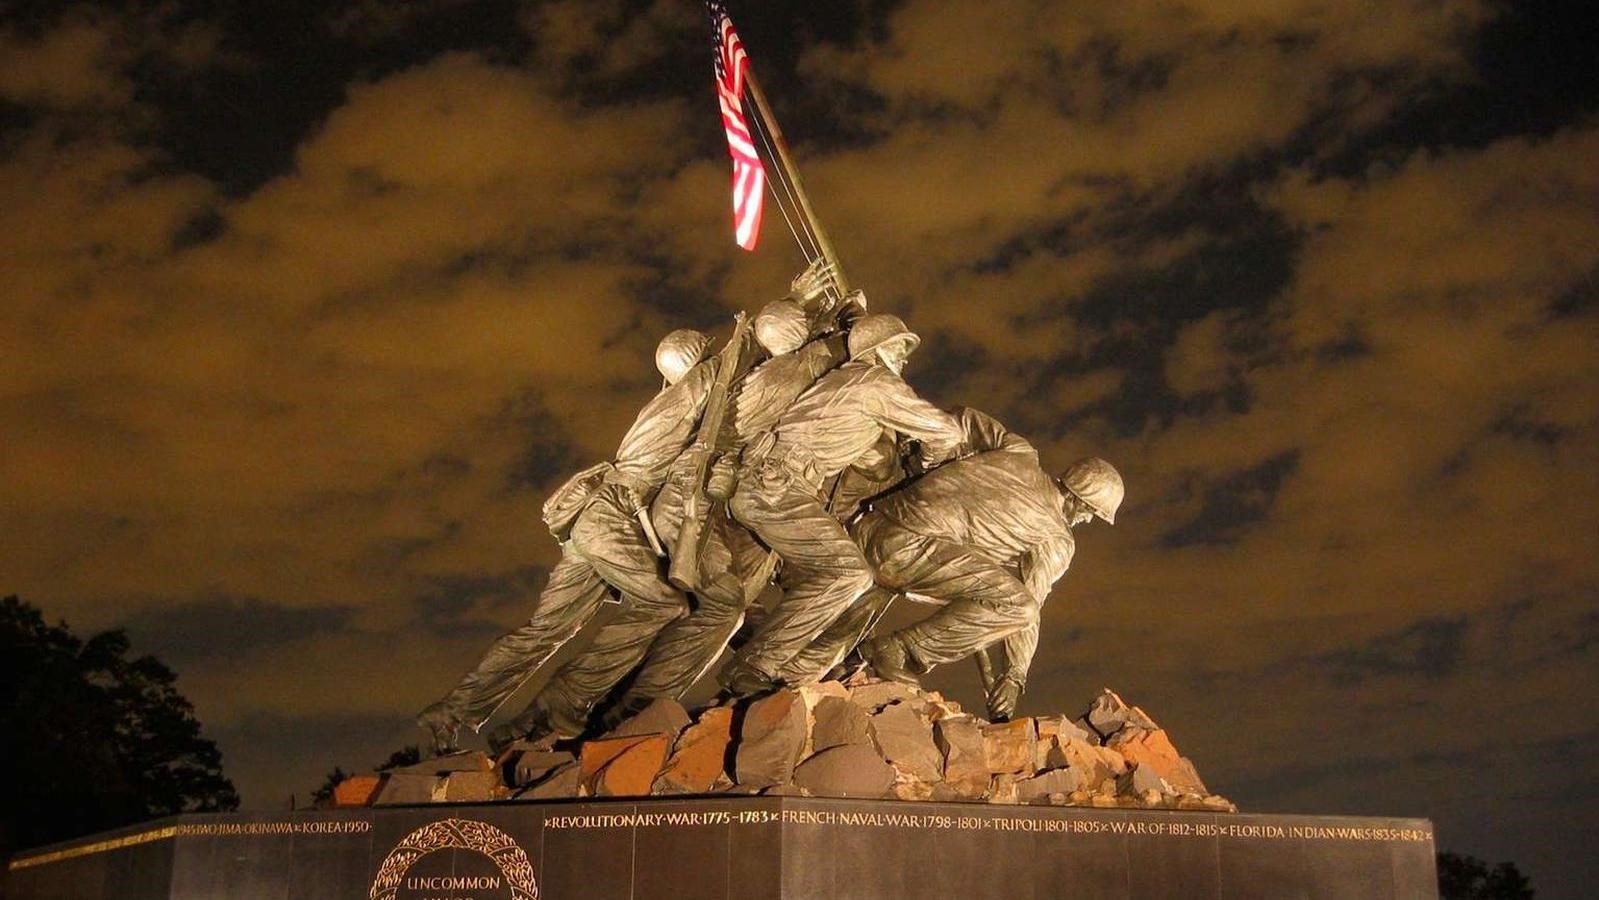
(607, 544)
(679, 652)
(987, 536)
(779, 492)
(741, 468)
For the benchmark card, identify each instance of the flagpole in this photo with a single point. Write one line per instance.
(753, 87)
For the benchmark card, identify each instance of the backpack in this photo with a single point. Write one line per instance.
(570, 499)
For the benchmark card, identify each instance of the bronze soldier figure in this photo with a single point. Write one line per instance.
(680, 653)
(609, 546)
(779, 492)
(986, 536)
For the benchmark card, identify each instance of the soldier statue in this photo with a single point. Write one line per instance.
(779, 490)
(988, 539)
(790, 447)
(986, 536)
(608, 543)
(681, 651)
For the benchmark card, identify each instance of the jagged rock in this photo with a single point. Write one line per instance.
(630, 770)
(906, 740)
(860, 676)
(1186, 777)
(357, 790)
(838, 722)
(663, 716)
(965, 762)
(771, 740)
(531, 766)
(701, 756)
(1008, 747)
(1003, 789)
(861, 738)
(1093, 764)
(564, 781)
(938, 710)
(813, 694)
(912, 789)
(1140, 780)
(408, 787)
(1064, 726)
(471, 787)
(1110, 714)
(878, 694)
(1048, 754)
(1152, 749)
(1059, 781)
(597, 754)
(818, 691)
(541, 745)
(847, 770)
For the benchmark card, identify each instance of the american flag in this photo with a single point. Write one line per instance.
(749, 176)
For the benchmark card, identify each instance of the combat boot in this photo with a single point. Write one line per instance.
(740, 679)
(532, 726)
(889, 658)
(441, 726)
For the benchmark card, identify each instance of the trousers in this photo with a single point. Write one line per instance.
(983, 601)
(674, 644)
(823, 569)
(607, 551)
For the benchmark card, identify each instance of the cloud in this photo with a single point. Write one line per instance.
(72, 65)
(223, 628)
(81, 60)
(1430, 647)
(281, 390)
(1348, 378)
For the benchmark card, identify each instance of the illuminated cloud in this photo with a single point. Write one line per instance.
(313, 391)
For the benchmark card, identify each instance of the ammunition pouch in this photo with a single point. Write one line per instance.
(571, 498)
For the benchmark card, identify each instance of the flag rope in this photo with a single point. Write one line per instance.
(806, 248)
(810, 248)
(747, 137)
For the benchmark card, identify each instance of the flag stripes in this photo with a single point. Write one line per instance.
(749, 175)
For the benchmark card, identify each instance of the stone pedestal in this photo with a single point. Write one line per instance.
(719, 848)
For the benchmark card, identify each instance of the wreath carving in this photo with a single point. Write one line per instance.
(464, 834)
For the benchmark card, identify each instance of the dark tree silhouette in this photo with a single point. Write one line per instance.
(93, 739)
(323, 795)
(1469, 878)
(408, 755)
(405, 756)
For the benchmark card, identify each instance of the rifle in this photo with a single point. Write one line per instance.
(697, 506)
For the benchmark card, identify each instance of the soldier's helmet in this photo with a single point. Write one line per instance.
(781, 327)
(1096, 483)
(679, 352)
(873, 331)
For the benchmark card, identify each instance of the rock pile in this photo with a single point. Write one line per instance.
(860, 739)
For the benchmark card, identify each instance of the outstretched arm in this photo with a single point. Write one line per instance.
(899, 408)
(1040, 568)
(983, 432)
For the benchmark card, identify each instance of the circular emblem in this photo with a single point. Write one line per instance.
(511, 874)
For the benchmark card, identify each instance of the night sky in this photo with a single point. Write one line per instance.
(307, 307)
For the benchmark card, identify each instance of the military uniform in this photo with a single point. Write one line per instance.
(835, 423)
(607, 549)
(986, 536)
(678, 654)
